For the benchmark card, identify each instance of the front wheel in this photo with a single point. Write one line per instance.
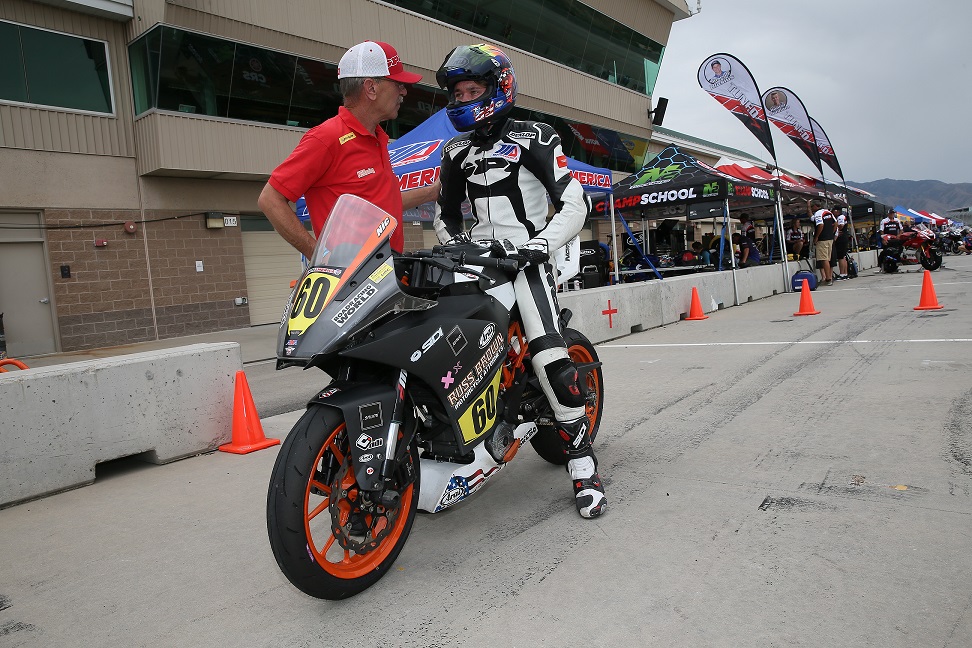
(547, 441)
(329, 539)
(930, 261)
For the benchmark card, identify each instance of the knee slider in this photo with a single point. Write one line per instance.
(563, 378)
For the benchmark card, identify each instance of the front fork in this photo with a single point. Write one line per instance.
(391, 440)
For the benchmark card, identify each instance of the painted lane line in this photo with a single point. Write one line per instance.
(783, 342)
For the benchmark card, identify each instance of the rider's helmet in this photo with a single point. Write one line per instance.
(488, 65)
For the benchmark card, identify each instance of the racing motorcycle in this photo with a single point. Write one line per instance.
(432, 394)
(911, 247)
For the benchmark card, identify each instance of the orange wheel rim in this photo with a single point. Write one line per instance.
(322, 546)
(581, 355)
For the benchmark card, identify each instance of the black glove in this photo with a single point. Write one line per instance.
(459, 239)
(533, 252)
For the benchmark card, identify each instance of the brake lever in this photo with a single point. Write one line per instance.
(475, 273)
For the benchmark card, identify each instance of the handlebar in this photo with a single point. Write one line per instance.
(508, 265)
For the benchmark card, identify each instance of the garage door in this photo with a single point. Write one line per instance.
(271, 264)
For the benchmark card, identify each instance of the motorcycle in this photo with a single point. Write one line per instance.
(432, 394)
(911, 247)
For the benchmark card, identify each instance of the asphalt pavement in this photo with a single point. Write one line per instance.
(773, 481)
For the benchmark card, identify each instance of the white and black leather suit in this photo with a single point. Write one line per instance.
(507, 176)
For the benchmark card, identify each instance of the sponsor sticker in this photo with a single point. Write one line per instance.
(380, 273)
(447, 380)
(456, 340)
(562, 161)
(521, 135)
(487, 335)
(346, 138)
(507, 151)
(354, 304)
(365, 458)
(428, 344)
(370, 418)
(330, 391)
(365, 172)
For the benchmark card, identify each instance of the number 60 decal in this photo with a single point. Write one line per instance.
(315, 291)
(479, 417)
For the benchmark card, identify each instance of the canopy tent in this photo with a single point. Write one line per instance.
(674, 180)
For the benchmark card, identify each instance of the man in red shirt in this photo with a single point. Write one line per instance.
(347, 154)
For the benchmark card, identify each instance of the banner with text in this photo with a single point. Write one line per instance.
(825, 148)
(788, 113)
(731, 84)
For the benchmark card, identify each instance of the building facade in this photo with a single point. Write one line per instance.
(136, 135)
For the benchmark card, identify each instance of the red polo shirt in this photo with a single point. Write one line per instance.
(339, 157)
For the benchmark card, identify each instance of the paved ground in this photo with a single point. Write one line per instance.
(774, 481)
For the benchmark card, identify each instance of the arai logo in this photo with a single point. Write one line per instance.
(487, 335)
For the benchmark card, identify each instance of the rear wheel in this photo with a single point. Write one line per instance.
(930, 261)
(547, 441)
(329, 540)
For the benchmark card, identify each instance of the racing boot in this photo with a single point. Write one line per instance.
(582, 466)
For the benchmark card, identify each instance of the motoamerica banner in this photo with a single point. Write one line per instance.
(731, 84)
(824, 148)
(786, 110)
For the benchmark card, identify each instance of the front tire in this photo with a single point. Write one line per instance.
(931, 261)
(547, 441)
(314, 463)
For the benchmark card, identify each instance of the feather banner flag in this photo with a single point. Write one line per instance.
(730, 83)
(825, 148)
(788, 113)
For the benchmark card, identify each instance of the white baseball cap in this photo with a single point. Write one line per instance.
(375, 59)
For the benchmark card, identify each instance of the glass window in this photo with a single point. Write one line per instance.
(316, 95)
(144, 56)
(195, 73)
(13, 82)
(262, 84)
(53, 69)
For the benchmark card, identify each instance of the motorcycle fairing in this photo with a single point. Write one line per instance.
(458, 358)
(367, 409)
(445, 484)
(325, 309)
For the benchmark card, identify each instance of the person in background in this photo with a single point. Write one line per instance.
(841, 243)
(748, 252)
(794, 238)
(890, 227)
(747, 228)
(702, 254)
(348, 153)
(825, 226)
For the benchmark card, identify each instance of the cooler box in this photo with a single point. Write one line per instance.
(800, 276)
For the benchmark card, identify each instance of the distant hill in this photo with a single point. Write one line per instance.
(920, 195)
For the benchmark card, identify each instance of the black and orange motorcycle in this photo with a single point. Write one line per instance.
(432, 393)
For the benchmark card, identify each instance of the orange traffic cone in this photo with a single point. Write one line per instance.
(247, 430)
(928, 301)
(695, 311)
(806, 301)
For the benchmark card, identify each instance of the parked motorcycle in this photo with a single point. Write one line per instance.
(432, 394)
(911, 247)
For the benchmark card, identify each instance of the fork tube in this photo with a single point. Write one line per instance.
(391, 440)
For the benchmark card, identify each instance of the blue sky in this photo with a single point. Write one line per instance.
(889, 81)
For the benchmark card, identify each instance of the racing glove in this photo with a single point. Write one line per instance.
(533, 251)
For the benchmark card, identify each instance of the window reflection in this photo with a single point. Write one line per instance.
(565, 31)
(177, 70)
(54, 69)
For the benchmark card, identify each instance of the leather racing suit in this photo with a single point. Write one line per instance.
(507, 176)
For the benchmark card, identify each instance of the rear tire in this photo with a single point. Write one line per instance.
(547, 441)
(300, 509)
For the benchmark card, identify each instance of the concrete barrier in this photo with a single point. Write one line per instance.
(58, 422)
(614, 311)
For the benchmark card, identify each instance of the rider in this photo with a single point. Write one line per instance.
(890, 227)
(507, 168)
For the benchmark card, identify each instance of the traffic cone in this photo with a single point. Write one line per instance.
(695, 311)
(806, 301)
(247, 429)
(928, 301)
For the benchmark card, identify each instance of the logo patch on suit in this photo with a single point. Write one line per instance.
(345, 138)
(507, 151)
